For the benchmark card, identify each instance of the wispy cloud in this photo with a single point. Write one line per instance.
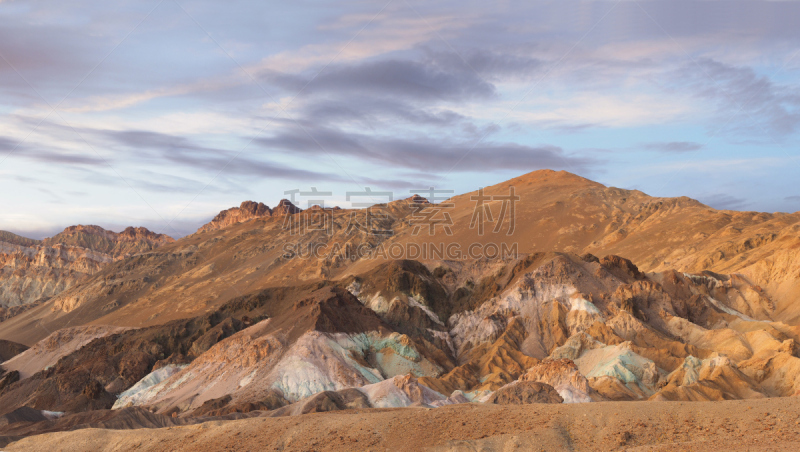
(390, 94)
(434, 155)
(744, 100)
(725, 201)
(673, 146)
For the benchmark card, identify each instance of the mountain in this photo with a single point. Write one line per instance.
(605, 295)
(129, 241)
(33, 271)
(199, 273)
(557, 211)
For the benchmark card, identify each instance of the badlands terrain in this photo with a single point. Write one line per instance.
(616, 321)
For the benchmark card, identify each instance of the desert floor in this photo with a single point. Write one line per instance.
(768, 424)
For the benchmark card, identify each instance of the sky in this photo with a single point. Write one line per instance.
(162, 113)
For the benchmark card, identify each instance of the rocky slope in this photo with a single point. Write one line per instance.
(49, 350)
(313, 340)
(584, 328)
(199, 273)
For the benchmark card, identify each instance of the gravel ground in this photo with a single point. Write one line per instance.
(768, 424)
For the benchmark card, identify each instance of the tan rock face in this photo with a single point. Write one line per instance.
(36, 273)
(130, 241)
(246, 211)
(33, 271)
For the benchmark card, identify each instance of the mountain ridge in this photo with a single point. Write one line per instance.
(557, 211)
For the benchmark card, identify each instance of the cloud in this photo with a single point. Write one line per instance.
(392, 77)
(437, 155)
(673, 146)
(725, 201)
(748, 102)
(35, 49)
(48, 156)
(11, 148)
(373, 111)
(795, 198)
(567, 127)
(7, 145)
(493, 64)
(184, 152)
(402, 97)
(159, 182)
(135, 150)
(398, 29)
(575, 107)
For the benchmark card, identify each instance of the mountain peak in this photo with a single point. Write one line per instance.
(247, 210)
(87, 229)
(257, 209)
(552, 176)
(132, 234)
(285, 207)
(417, 199)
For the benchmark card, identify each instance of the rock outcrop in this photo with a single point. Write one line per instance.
(525, 392)
(563, 375)
(285, 207)
(250, 210)
(10, 349)
(48, 351)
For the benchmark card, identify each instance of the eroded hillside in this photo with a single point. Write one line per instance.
(611, 295)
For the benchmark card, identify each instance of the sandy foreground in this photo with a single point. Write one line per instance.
(769, 424)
